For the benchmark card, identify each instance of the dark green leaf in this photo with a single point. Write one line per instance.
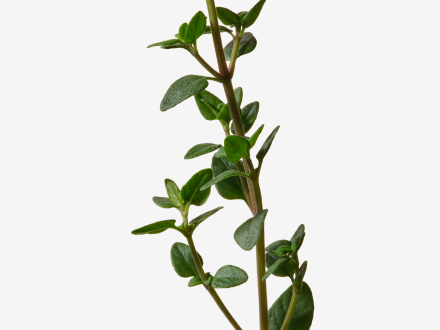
(182, 260)
(155, 228)
(202, 217)
(182, 89)
(163, 202)
(274, 267)
(208, 281)
(237, 147)
(252, 15)
(228, 277)
(191, 192)
(242, 14)
(228, 17)
(174, 46)
(266, 146)
(220, 153)
(173, 192)
(195, 281)
(207, 112)
(255, 136)
(224, 114)
(248, 233)
(222, 176)
(298, 283)
(182, 30)
(297, 239)
(196, 28)
(298, 233)
(282, 250)
(271, 259)
(239, 95)
(248, 116)
(231, 187)
(201, 149)
(303, 315)
(275, 245)
(247, 45)
(222, 29)
(166, 43)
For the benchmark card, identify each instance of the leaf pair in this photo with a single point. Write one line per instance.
(194, 30)
(242, 19)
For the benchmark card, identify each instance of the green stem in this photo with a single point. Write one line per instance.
(234, 53)
(290, 310)
(209, 68)
(211, 290)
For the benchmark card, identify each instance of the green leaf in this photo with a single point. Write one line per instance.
(155, 228)
(255, 136)
(182, 260)
(182, 30)
(163, 202)
(224, 114)
(174, 46)
(242, 14)
(228, 17)
(222, 176)
(266, 146)
(182, 89)
(196, 28)
(202, 217)
(280, 272)
(297, 239)
(201, 149)
(208, 281)
(220, 153)
(228, 277)
(166, 43)
(274, 267)
(195, 281)
(239, 95)
(247, 45)
(248, 233)
(206, 109)
(191, 192)
(303, 315)
(237, 147)
(222, 29)
(252, 15)
(282, 250)
(275, 245)
(298, 283)
(298, 233)
(231, 187)
(248, 116)
(173, 192)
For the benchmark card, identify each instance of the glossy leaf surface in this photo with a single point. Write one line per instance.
(266, 146)
(163, 202)
(173, 192)
(248, 233)
(196, 28)
(182, 89)
(255, 136)
(249, 114)
(166, 43)
(224, 114)
(229, 188)
(220, 153)
(303, 315)
(182, 260)
(182, 30)
(206, 97)
(236, 147)
(228, 277)
(247, 44)
(191, 192)
(222, 176)
(227, 16)
(155, 228)
(201, 149)
(250, 18)
(239, 95)
(202, 217)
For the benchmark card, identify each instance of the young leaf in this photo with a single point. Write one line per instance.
(191, 192)
(298, 283)
(220, 153)
(195, 281)
(237, 147)
(173, 192)
(155, 228)
(255, 136)
(166, 43)
(196, 28)
(202, 217)
(248, 233)
(266, 146)
(282, 250)
(247, 45)
(201, 149)
(298, 233)
(231, 187)
(281, 271)
(228, 277)
(222, 176)
(274, 267)
(275, 245)
(248, 116)
(252, 15)
(228, 17)
(239, 95)
(182, 260)
(208, 281)
(182, 30)
(163, 202)
(205, 109)
(242, 14)
(182, 89)
(224, 114)
(303, 315)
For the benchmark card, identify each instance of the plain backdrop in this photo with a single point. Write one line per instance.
(83, 146)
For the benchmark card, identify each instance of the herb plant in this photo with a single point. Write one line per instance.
(234, 175)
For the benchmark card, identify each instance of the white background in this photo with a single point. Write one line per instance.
(84, 148)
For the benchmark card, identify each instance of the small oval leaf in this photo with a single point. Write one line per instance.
(182, 89)
(155, 228)
(182, 260)
(201, 149)
(191, 192)
(248, 233)
(247, 44)
(228, 277)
